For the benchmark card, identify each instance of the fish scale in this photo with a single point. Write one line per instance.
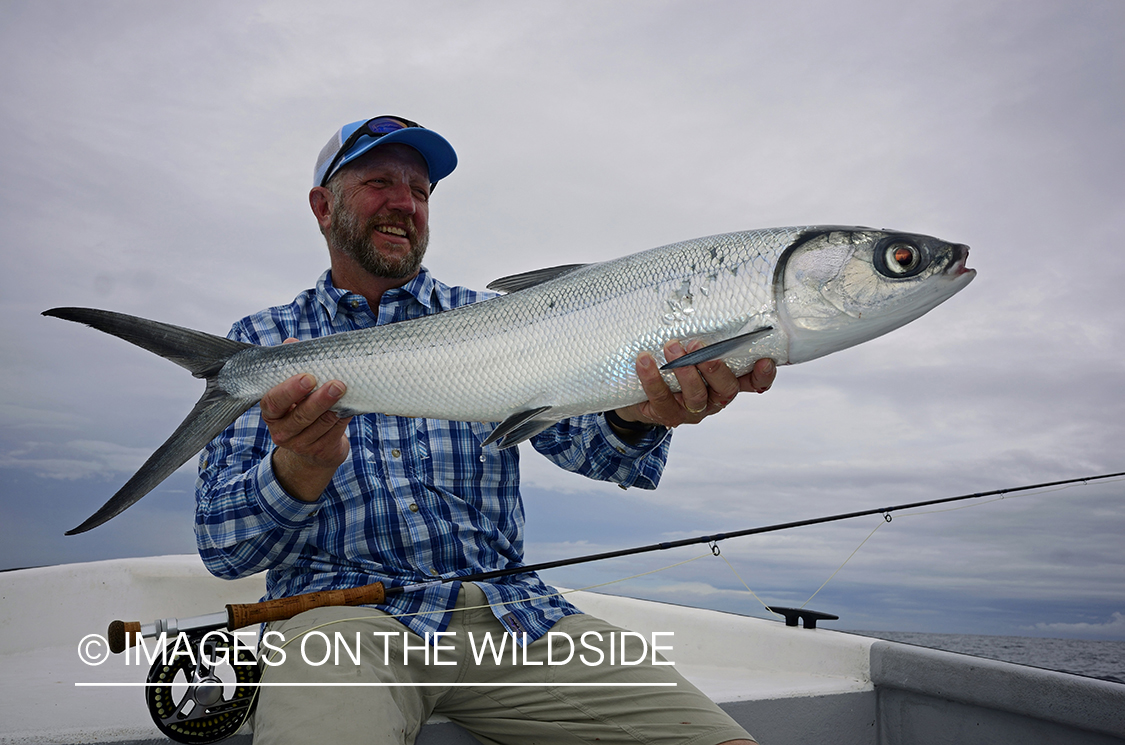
(564, 341)
(570, 343)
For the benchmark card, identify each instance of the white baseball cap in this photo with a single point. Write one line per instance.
(355, 139)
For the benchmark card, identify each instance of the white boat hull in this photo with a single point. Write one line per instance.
(785, 685)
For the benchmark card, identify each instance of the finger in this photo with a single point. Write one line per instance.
(722, 384)
(761, 377)
(693, 389)
(662, 407)
(279, 400)
(314, 413)
(309, 419)
(331, 446)
(323, 444)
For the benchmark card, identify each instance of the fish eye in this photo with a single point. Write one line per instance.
(902, 257)
(899, 258)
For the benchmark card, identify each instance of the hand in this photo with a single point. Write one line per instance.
(705, 389)
(311, 439)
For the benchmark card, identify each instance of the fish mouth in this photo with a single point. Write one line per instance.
(957, 267)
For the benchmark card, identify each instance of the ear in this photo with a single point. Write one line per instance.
(320, 199)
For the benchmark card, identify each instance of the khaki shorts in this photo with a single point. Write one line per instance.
(460, 680)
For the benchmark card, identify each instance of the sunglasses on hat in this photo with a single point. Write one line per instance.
(374, 128)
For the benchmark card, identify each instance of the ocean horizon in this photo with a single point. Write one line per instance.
(1100, 659)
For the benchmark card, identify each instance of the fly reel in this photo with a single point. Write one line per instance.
(186, 697)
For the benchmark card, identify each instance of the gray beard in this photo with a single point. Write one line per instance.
(354, 239)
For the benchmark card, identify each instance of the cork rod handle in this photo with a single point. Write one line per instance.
(122, 635)
(239, 616)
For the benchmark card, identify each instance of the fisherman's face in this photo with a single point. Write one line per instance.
(380, 211)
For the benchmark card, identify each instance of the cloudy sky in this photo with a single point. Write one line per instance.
(155, 159)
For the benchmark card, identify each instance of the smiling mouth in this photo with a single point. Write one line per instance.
(392, 230)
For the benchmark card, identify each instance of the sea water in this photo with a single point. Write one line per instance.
(1094, 659)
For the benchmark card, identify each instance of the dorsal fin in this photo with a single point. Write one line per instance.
(517, 282)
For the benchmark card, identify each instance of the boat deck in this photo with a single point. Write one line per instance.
(785, 685)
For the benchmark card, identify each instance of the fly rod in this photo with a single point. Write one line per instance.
(716, 537)
(125, 634)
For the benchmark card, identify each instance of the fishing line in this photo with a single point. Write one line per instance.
(853, 553)
(736, 574)
(1003, 494)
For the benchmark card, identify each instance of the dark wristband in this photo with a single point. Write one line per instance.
(619, 423)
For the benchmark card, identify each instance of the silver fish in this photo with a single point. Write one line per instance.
(563, 341)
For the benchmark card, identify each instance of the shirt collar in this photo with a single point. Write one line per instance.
(422, 289)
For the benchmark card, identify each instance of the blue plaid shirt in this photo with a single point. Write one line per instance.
(417, 499)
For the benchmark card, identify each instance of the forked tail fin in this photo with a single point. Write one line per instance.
(204, 355)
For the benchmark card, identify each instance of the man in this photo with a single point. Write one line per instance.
(327, 502)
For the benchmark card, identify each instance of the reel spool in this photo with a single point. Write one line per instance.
(201, 711)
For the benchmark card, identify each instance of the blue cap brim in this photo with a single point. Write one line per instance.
(439, 155)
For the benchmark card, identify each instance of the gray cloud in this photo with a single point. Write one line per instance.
(1112, 629)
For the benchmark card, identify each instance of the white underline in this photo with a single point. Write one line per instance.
(393, 685)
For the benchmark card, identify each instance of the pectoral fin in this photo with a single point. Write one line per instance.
(520, 426)
(525, 431)
(718, 350)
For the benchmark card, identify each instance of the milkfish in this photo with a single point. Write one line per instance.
(563, 341)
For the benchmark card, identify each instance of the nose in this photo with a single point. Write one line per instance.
(401, 198)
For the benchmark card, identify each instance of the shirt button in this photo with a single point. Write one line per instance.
(396, 453)
(435, 573)
(413, 507)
